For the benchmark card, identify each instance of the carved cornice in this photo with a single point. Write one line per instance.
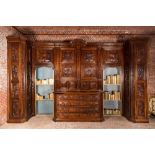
(84, 30)
(87, 33)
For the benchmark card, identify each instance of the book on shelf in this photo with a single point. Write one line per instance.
(112, 79)
(118, 79)
(51, 81)
(51, 96)
(45, 81)
(38, 82)
(114, 95)
(112, 111)
(39, 97)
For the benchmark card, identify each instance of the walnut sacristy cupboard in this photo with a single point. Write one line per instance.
(89, 80)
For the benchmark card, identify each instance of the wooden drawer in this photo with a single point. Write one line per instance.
(80, 109)
(78, 117)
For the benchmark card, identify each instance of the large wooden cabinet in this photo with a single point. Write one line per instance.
(78, 78)
(135, 81)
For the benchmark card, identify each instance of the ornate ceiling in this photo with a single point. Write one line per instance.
(95, 30)
(88, 33)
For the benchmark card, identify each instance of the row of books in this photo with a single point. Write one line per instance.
(112, 111)
(114, 95)
(44, 82)
(50, 97)
(112, 79)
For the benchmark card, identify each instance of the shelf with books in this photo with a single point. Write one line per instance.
(112, 112)
(45, 82)
(48, 97)
(44, 88)
(112, 92)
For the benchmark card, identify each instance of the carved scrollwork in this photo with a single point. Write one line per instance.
(141, 108)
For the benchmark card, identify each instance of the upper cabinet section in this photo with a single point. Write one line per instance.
(113, 54)
(77, 65)
(43, 54)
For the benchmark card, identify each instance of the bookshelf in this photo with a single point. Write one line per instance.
(112, 91)
(44, 88)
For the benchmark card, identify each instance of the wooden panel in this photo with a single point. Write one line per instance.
(113, 57)
(28, 83)
(141, 104)
(17, 60)
(127, 82)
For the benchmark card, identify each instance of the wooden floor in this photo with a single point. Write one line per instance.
(46, 122)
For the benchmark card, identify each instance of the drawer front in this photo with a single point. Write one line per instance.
(80, 109)
(78, 97)
(77, 116)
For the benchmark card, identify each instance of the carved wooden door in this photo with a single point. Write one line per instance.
(89, 68)
(68, 69)
(136, 81)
